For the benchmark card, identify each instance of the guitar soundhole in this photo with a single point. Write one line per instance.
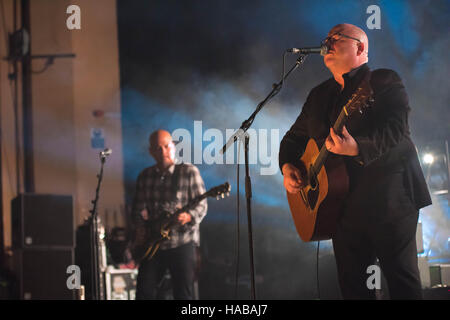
(312, 178)
(313, 195)
(313, 182)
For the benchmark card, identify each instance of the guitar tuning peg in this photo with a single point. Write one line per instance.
(228, 194)
(217, 197)
(223, 196)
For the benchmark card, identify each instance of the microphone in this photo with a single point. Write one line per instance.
(323, 50)
(105, 153)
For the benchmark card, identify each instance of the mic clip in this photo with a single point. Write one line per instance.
(105, 153)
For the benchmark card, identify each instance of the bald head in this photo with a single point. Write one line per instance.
(355, 32)
(348, 48)
(157, 135)
(162, 148)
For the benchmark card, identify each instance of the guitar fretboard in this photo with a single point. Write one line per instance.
(323, 153)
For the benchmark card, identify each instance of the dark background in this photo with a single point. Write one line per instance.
(214, 61)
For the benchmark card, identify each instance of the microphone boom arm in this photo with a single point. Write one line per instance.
(275, 90)
(242, 134)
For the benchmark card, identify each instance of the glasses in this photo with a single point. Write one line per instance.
(331, 40)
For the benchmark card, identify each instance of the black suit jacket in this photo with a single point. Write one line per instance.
(381, 131)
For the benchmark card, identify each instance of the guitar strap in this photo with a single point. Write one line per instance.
(155, 205)
(175, 185)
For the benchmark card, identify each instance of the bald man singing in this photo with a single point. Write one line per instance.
(387, 188)
(164, 188)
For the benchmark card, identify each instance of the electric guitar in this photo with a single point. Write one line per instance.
(151, 234)
(317, 206)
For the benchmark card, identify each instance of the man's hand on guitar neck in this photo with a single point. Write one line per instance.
(184, 218)
(292, 178)
(344, 145)
(144, 214)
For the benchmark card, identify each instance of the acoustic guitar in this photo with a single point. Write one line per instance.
(317, 206)
(150, 234)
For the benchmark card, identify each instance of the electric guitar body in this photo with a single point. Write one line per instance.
(150, 235)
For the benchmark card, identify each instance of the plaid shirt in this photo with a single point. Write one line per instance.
(167, 191)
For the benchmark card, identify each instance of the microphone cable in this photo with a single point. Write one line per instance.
(317, 270)
(236, 284)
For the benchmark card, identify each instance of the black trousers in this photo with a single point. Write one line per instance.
(181, 263)
(378, 222)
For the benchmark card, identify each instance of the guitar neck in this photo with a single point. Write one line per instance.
(340, 122)
(190, 205)
(323, 153)
(171, 219)
(358, 101)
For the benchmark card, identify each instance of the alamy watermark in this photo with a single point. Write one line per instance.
(74, 280)
(74, 20)
(374, 280)
(263, 147)
(374, 20)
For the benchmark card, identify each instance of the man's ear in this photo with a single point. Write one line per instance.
(361, 48)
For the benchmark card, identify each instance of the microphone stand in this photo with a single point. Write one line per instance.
(95, 268)
(238, 135)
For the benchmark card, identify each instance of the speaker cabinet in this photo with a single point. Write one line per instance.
(42, 273)
(83, 258)
(42, 220)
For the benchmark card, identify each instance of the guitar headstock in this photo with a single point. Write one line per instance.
(361, 98)
(219, 191)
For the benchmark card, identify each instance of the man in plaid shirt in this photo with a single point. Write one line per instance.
(164, 188)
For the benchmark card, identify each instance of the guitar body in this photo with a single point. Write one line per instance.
(318, 205)
(316, 208)
(148, 239)
(150, 234)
